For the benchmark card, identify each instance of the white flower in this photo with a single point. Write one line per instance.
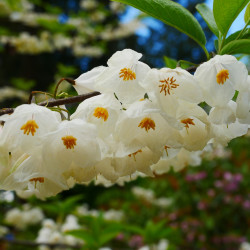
(223, 115)
(122, 76)
(171, 85)
(102, 111)
(25, 128)
(143, 125)
(86, 82)
(73, 144)
(220, 77)
(71, 223)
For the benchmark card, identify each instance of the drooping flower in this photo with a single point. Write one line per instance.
(72, 145)
(170, 86)
(102, 110)
(26, 127)
(220, 77)
(122, 76)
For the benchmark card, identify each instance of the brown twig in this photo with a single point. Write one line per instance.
(57, 102)
(36, 244)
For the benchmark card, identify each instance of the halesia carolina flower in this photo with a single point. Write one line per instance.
(86, 82)
(74, 143)
(171, 85)
(243, 104)
(181, 160)
(223, 115)
(223, 134)
(102, 111)
(142, 125)
(26, 127)
(32, 176)
(122, 76)
(220, 77)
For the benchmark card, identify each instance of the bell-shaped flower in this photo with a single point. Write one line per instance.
(32, 176)
(102, 110)
(195, 131)
(223, 134)
(143, 125)
(73, 142)
(127, 161)
(171, 85)
(223, 115)
(122, 76)
(26, 127)
(181, 160)
(243, 104)
(86, 82)
(220, 77)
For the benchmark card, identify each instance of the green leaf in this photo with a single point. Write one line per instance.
(226, 11)
(247, 14)
(83, 235)
(170, 62)
(208, 16)
(172, 14)
(237, 47)
(244, 35)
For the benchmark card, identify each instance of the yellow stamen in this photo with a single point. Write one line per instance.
(222, 76)
(101, 113)
(135, 153)
(167, 85)
(37, 179)
(147, 123)
(187, 122)
(127, 74)
(29, 127)
(69, 141)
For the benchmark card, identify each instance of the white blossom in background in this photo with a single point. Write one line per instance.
(163, 244)
(21, 219)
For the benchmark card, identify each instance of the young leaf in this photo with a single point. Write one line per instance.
(244, 35)
(208, 16)
(237, 47)
(226, 11)
(170, 62)
(247, 14)
(172, 14)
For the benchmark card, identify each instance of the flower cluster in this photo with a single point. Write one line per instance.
(145, 121)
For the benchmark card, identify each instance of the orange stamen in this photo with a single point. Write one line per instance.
(187, 122)
(29, 127)
(135, 153)
(69, 141)
(222, 76)
(167, 85)
(101, 113)
(127, 74)
(147, 123)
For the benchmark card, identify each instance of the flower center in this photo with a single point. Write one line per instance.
(222, 76)
(101, 113)
(29, 127)
(187, 122)
(167, 85)
(135, 153)
(69, 141)
(147, 123)
(127, 74)
(37, 179)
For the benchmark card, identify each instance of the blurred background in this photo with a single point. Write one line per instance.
(205, 207)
